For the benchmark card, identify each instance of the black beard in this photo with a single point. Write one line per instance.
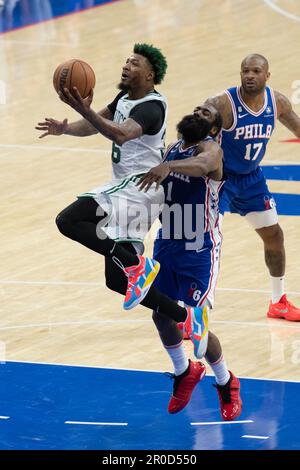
(123, 87)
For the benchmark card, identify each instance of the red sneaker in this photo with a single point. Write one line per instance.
(184, 385)
(230, 400)
(182, 328)
(284, 309)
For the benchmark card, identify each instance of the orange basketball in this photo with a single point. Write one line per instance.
(72, 73)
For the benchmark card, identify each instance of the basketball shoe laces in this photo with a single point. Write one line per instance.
(177, 379)
(130, 279)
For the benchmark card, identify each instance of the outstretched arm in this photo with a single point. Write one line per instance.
(117, 132)
(81, 128)
(208, 160)
(286, 114)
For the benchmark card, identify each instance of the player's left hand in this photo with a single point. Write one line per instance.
(75, 100)
(156, 175)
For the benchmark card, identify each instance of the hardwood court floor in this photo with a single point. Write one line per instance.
(54, 306)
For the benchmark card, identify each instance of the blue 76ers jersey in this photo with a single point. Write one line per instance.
(244, 144)
(189, 267)
(190, 193)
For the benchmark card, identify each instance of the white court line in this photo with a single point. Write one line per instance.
(292, 326)
(4, 417)
(256, 437)
(242, 289)
(101, 150)
(70, 323)
(86, 423)
(137, 320)
(50, 148)
(222, 422)
(53, 283)
(102, 284)
(276, 163)
(280, 10)
(37, 43)
(87, 366)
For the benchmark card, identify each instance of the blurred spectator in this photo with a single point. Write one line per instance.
(16, 13)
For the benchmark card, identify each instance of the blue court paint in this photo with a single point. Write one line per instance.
(40, 398)
(39, 11)
(286, 204)
(282, 172)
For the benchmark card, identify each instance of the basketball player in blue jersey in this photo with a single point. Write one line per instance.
(192, 178)
(249, 113)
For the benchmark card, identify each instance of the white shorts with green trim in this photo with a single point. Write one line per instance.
(131, 212)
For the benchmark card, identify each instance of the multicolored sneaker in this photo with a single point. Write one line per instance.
(284, 309)
(181, 327)
(230, 400)
(184, 385)
(140, 279)
(196, 325)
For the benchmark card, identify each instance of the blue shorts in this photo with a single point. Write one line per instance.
(246, 193)
(186, 275)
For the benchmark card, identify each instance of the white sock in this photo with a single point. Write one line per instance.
(178, 357)
(277, 288)
(220, 370)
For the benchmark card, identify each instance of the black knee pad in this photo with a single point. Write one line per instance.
(60, 222)
(162, 321)
(63, 224)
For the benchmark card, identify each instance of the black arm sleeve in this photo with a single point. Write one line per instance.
(150, 115)
(113, 105)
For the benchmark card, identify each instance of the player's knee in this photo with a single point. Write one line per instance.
(280, 236)
(63, 224)
(274, 237)
(159, 320)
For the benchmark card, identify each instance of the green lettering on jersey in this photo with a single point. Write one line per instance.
(115, 153)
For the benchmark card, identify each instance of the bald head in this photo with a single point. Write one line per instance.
(254, 74)
(256, 58)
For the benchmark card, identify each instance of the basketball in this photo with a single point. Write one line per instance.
(76, 73)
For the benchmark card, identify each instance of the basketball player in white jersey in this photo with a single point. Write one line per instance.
(249, 114)
(104, 219)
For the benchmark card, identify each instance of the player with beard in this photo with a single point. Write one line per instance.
(188, 249)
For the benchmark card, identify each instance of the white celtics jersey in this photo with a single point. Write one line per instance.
(138, 155)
